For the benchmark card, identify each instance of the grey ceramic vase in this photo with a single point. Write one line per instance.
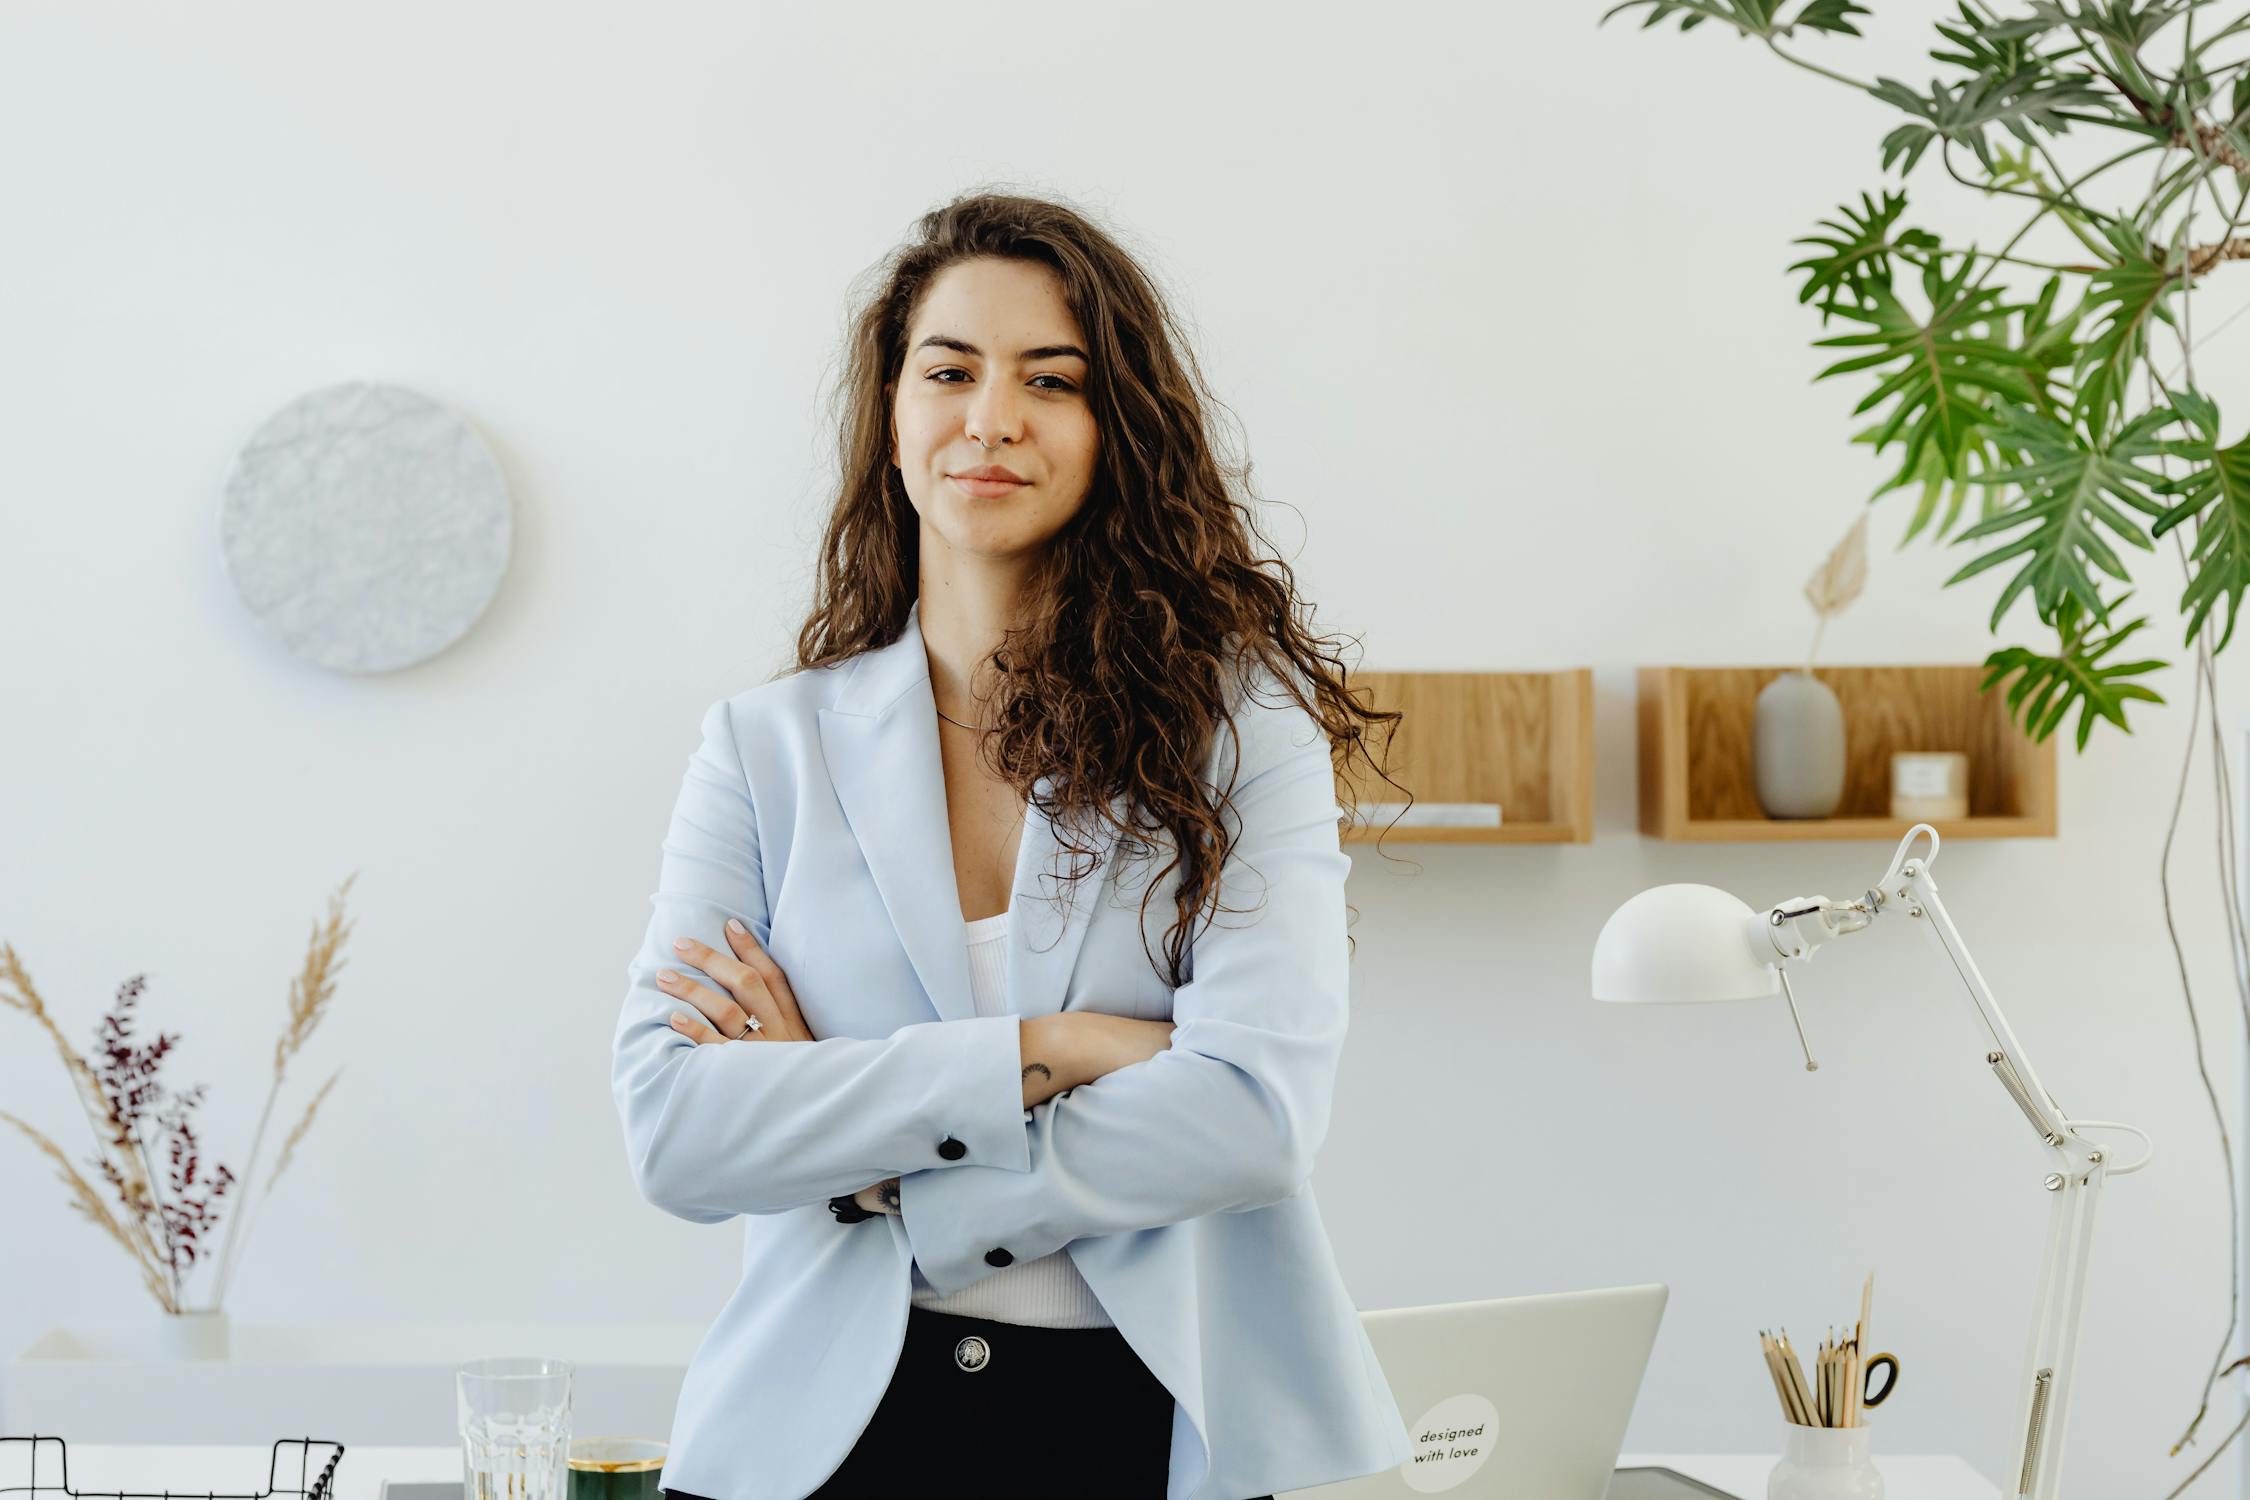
(1799, 747)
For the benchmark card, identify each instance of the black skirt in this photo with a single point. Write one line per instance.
(1005, 1409)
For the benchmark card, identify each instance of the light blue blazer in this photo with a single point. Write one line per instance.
(815, 811)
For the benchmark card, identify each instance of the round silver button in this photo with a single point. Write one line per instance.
(972, 1353)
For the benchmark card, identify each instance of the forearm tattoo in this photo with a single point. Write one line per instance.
(1041, 1069)
(887, 1192)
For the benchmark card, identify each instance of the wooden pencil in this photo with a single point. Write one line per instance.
(1820, 1382)
(1830, 1416)
(1796, 1386)
(1773, 1368)
(1859, 1340)
(1773, 1362)
(1796, 1370)
(1773, 1373)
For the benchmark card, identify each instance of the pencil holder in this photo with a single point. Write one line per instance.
(1826, 1463)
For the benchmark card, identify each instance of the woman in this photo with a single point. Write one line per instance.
(1029, 1205)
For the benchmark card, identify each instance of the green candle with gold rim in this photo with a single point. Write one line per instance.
(616, 1468)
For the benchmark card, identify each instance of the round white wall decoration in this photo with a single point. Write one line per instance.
(365, 526)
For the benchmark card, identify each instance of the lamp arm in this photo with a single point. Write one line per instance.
(1917, 895)
(2080, 1169)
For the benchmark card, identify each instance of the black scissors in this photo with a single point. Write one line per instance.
(1867, 1377)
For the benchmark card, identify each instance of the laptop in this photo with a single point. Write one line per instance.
(1510, 1398)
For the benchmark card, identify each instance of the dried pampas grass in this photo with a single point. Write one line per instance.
(1837, 582)
(89, 1203)
(289, 1147)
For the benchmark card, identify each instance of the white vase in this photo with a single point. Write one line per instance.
(1826, 1463)
(200, 1333)
(1797, 747)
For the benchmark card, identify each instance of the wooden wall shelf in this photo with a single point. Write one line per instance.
(1696, 781)
(1522, 739)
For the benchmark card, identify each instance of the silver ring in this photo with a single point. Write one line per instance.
(755, 1025)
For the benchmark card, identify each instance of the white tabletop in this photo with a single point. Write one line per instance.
(224, 1468)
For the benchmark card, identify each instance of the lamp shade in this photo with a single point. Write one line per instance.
(1682, 942)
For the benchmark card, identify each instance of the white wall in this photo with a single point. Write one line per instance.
(1500, 297)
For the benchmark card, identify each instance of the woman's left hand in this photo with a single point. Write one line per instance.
(756, 987)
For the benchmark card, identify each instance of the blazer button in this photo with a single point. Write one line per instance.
(997, 1257)
(951, 1149)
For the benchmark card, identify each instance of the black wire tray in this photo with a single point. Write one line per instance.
(302, 1455)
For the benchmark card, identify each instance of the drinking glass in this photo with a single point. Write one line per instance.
(515, 1428)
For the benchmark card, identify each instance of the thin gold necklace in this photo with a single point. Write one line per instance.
(980, 728)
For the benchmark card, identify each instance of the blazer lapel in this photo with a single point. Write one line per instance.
(880, 743)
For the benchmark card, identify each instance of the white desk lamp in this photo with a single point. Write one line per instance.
(1697, 942)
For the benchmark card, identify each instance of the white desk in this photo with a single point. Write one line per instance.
(140, 1424)
(227, 1468)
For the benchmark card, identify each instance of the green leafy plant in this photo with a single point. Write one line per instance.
(2058, 389)
(2039, 385)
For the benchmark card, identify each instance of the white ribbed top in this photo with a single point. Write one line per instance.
(1047, 1292)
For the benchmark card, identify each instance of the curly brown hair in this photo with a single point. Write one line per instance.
(1138, 607)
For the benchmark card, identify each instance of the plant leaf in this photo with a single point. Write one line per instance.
(1750, 17)
(1858, 250)
(2049, 685)
(2215, 490)
(1939, 483)
(2125, 295)
(2070, 479)
(2128, 24)
(2033, 96)
(1943, 371)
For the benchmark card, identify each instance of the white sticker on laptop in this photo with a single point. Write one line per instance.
(1451, 1442)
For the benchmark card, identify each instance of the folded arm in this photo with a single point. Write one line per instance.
(763, 1127)
(1231, 1116)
